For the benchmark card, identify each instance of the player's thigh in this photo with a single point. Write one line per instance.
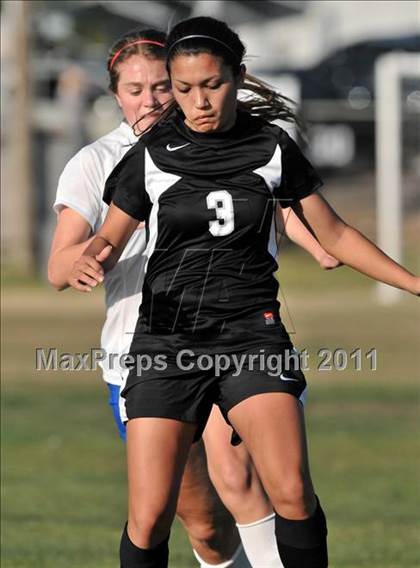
(272, 427)
(233, 473)
(157, 450)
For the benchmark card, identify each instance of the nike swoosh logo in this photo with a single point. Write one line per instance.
(283, 378)
(175, 148)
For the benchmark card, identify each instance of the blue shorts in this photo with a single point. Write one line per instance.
(114, 402)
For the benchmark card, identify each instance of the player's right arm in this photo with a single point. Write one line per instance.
(103, 251)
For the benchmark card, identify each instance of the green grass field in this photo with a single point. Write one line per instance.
(63, 476)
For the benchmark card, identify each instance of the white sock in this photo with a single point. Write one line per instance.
(259, 542)
(238, 560)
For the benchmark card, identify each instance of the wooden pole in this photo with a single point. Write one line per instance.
(17, 206)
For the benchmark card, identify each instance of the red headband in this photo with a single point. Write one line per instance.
(116, 55)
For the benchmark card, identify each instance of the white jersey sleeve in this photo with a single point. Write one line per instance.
(81, 185)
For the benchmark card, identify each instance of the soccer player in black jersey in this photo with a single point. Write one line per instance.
(208, 182)
(139, 81)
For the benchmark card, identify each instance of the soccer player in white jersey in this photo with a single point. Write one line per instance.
(139, 82)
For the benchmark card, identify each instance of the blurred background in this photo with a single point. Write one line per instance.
(353, 68)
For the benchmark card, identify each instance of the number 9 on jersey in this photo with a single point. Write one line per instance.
(221, 201)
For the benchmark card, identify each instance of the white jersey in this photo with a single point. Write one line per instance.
(81, 187)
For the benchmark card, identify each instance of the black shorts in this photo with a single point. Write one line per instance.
(186, 389)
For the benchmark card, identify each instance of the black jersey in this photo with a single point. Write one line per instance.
(208, 202)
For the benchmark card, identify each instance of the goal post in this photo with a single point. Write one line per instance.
(390, 70)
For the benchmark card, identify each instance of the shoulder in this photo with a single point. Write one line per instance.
(82, 182)
(128, 171)
(109, 148)
(258, 125)
(290, 149)
(96, 160)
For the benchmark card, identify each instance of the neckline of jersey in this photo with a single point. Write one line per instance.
(128, 131)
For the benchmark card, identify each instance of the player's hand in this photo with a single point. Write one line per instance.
(328, 262)
(87, 271)
(104, 254)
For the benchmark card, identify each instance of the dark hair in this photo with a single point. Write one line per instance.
(208, 35)
(126, 46)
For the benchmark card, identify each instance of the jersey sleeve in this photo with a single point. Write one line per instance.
(80, 187)
(126, 187)
(298, 177)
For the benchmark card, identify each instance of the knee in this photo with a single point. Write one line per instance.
(233, 478)
(147, 528)
(292, 498)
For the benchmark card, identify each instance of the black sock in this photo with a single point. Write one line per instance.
(303, 544)
(131, 556)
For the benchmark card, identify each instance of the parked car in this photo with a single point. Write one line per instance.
(337, 98)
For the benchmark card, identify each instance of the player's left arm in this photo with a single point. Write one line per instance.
(288, 222)
(350, 246)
